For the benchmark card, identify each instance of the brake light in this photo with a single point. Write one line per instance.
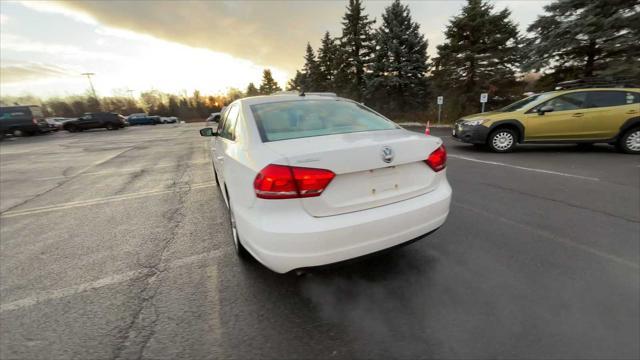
(288, 182)
(437, 160)
(35, 121)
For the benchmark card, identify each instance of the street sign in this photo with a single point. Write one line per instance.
(484, 97)
(440, 102)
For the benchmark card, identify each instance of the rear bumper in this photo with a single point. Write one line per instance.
(476, 134)
(284, 241)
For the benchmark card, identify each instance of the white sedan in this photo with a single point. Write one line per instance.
(312, 180)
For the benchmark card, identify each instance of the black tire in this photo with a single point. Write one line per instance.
(111, 126)
(215, 176)
(629, 142)
(240, 251)
(502, 140)
(71, 128)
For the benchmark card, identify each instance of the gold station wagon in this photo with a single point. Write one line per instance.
(583, 116)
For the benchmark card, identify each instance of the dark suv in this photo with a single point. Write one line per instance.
(108, 120)
(22, 120)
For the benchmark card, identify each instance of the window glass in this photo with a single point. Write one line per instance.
(571, 101)
(35, 111)
(306, 118)
(230, 123)
(521, 104)
(607, 98)
(632, 98)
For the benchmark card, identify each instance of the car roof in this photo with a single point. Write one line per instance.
(597, 89)
(294, 97)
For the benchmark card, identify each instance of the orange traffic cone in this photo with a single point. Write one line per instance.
(427, 131)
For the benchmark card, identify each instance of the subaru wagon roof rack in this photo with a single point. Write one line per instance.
(598, 82)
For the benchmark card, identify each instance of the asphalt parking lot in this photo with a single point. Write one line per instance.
(114, 244)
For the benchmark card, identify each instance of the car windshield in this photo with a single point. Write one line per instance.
(521, 104)
(298, 119)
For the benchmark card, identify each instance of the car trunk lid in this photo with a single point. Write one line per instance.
(363, 179)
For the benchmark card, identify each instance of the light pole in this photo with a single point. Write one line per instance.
(89, 75)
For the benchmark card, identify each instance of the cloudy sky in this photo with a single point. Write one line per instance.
(180, 46)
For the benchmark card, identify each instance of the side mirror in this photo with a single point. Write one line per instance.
(208, 132)
(545, 109)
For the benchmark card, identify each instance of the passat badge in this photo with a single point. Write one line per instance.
(387, 154)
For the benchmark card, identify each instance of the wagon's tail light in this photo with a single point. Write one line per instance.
(35, 121)
(287, 182)
(437, 160)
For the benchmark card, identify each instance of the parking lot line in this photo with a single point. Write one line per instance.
(523, 168)
(106, 172)
(554, 237)
(73, 204)
(106, 281)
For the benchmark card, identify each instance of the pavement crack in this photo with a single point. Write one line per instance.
(66, 180)
(136, 335)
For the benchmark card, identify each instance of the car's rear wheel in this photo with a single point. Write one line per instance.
(215, 176)
(18, 132)
(502, 140)
(630, 141)
(240, 251)
(71, 128)
(111, 126)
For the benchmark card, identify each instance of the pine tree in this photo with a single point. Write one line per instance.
(480, 54)
(297, 82)
(252, 90)
(312, 80)
(327, 56)
(398, 74)
(586, 38)
(269, 85)
(356, 48)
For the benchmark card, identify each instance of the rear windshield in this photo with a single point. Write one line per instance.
(298, 119)
(36, 112)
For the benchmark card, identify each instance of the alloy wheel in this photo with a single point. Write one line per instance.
(503, 140)
(633, 141)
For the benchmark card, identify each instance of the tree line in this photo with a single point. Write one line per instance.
(387, 67)
(195, 106)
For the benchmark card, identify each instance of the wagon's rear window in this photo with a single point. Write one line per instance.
(298, 119)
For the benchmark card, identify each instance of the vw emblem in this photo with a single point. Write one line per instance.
(387, 154)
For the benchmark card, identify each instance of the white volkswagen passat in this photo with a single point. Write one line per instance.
(312, 180)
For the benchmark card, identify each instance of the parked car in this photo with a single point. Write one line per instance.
(142, 119)
(313, 180)
(580, 114)
(213, 118)
(22, 120)
(57, 123)
(168, 119)
(107, 120)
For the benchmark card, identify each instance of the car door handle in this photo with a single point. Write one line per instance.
(577, 115)
(631, 112)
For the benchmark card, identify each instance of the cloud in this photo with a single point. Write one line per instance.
(268, 33)
(17, 43)
(264, 32)
(20, 72)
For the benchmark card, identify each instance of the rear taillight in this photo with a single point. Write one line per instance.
(288, 182)
(35, 121)
(437, 160)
